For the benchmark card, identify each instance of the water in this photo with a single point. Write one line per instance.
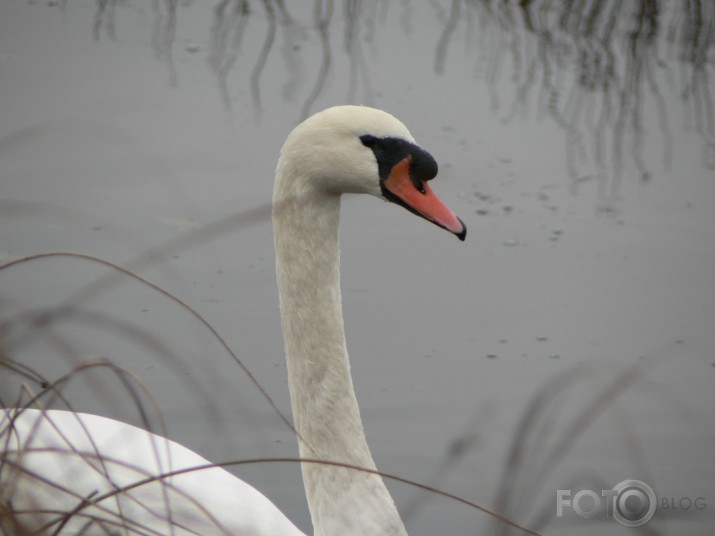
(126, 126)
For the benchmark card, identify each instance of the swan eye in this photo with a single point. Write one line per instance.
(389, 151)
(368, 140)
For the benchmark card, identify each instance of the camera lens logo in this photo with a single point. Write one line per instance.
(634, 503)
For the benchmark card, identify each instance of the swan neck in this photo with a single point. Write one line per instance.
(325, 409)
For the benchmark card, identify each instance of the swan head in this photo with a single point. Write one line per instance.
(357, 149)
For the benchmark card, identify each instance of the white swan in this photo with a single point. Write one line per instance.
(69, 472)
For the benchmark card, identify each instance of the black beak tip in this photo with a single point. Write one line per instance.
(463, 234)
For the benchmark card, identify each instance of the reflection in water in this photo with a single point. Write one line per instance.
(322, 16)
(592, 67)
(163, 32)
(228, 29)
(104, 16)
(263, 54)
(359, 72)
(229, 24)
(691, 36)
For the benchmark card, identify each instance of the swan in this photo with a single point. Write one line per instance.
(67, 473)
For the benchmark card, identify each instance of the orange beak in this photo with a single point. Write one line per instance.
(417, 197)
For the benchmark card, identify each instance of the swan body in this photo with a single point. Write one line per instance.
(345, 149)
(55, 460)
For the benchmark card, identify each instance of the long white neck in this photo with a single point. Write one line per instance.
(325, 411)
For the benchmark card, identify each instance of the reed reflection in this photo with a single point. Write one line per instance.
(602, 71)
(597, 69)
